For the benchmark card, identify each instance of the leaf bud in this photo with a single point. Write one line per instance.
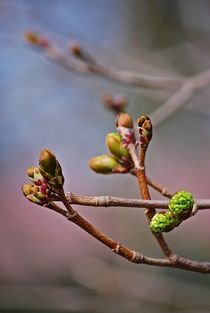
(115, 145)
(181, 204)
(163, 222)
(32, 38)
(103, 164)
(124, 120)
(50, 168)
(27, 189)
(30, 172)
(145, 129)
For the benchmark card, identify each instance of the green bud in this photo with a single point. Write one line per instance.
(163, 222)
(34, 189)
(33, 198)
(27, 189)
(33, 194)
(181, 204)
(115, 145)
(50, 169)
(30, 172)
(47, 162)
(103, 164)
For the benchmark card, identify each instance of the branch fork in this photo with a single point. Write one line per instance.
(49, 188)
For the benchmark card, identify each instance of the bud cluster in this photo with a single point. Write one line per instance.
(180, 206)
(117, 143)
(38, 191)
(46, 179)
(118, 162)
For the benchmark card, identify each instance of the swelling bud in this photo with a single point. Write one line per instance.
(124, 120)
(103, 164)
(163, 222)
(50, 169)
(181, 204)
(115, 145)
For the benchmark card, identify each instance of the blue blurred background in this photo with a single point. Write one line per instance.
(47, 264)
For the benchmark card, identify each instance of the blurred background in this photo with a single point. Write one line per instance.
(46, 263)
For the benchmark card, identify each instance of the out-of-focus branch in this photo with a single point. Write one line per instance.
(181, 97)
(122, 76)
(83, 63)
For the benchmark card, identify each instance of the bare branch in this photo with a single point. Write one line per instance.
(109, 201)
(162, 190)
(181, 97)
(171, 105)
(123, 76)
(84, 63)
(173, 261)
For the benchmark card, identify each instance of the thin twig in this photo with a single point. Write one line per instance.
(123, 76)
(181, 97)
(176, 101)
(123, 251)
(184, 87)
(162, 190)
(110, 201)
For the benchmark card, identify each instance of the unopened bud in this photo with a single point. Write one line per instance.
(75, 49)
(27, 189)
(145, 129)
(35, 200)
(103, 164)
(30, 172)
(163, 222)
(115, 145)
(32, 38)
(181, 204)
(124, 120)
(47, 162)
(50, 168)
(35, 194)
(117, 103)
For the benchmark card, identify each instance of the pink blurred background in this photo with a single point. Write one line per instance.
(47, 264)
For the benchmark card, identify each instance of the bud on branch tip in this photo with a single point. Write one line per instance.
(144, 125)
(50, 169)
(124, 120)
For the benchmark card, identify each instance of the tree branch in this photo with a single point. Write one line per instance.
(83, 63)
(181, 97)
(109, 201)
(162, 190)
(142, 181)
(123, 251)
(81, 66)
